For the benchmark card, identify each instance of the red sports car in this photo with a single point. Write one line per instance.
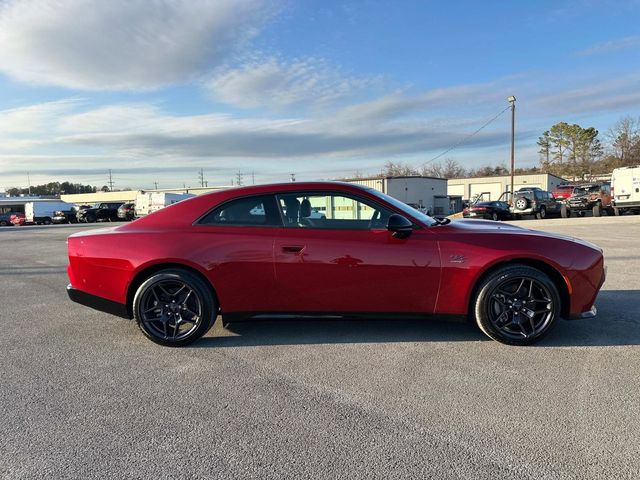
(328, 249)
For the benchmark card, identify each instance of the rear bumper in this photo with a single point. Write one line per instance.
(97, 303)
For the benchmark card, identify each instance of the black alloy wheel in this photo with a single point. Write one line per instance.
(494, 216)
(174, 307)
(517, 305)
(542, 214)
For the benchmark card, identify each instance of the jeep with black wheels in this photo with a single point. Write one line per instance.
(590, 197)
(536, 202)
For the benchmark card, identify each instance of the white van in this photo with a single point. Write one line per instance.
(625, 189)
(43, 211)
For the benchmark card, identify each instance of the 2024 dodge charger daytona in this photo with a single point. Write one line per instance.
(328, 248)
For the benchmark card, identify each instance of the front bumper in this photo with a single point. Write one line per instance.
(585, 315)
(97, 303)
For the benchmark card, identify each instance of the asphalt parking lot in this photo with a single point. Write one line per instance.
(84, 395)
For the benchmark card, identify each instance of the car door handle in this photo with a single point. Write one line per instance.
(292, 248)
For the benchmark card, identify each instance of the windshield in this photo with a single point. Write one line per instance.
(412, 212)
(585, 190)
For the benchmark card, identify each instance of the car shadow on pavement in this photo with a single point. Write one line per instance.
(309, 331)
(617, 324)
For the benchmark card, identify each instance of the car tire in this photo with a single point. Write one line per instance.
(182, 299)
(90, 219)
(505, 300)
(494, 216)
(542, 213)
(597, 210)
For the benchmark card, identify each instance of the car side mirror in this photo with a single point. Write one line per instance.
(399, 226)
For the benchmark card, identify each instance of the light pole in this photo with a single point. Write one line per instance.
(512, 101)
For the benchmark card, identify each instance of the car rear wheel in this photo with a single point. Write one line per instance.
(494, 216)
(174, 307)
(517, 305)
(90, 219)
(542, 213)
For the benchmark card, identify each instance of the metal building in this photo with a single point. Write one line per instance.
(491, 188)
(423, 192)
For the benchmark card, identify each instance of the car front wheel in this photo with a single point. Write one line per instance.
(516, 305)
(174, 307)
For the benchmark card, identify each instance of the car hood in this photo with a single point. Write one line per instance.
(489, 226)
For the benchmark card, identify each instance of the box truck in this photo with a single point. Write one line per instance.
(149, 202)
(42, 212)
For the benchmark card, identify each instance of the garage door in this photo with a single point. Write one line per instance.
(489, 191)
(456, 190)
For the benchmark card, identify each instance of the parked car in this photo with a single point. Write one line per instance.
(5, 219)
(536, 202)
(563, 192)
(127, 211)
(491, 210)
(65, 216)
(99, 212)
(176, 269)
(18, 218)
(625, 189)
(592, 197)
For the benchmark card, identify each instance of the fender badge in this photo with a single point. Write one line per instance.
(457, 258)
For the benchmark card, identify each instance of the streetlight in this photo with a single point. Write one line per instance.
(512, 101)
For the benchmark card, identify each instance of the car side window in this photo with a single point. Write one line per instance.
(331, 211)
(247, 211)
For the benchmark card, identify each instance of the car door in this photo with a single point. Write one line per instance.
(347, 261)
(238, 252)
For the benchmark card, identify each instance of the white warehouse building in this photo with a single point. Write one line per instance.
(491, 188)
(423, 192)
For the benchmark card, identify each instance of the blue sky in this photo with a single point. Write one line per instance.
(157, 89)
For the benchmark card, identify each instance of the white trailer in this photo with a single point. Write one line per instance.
(625, 189)
(149, 202)
(42, 212)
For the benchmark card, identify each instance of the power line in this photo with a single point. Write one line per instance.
(464, 139)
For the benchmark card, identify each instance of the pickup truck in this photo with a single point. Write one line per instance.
(99, 212)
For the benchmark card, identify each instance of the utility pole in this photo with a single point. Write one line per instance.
(156, 184)
(110, 181)
(293, 177)
(29, 183)
(206, 183)
(201, 177)
(253, 177)
(512, 101)
(239, 178)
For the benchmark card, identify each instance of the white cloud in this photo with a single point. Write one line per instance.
(274, 83)
(632, 42)
(122, 44)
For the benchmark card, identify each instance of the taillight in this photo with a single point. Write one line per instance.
(479, 209)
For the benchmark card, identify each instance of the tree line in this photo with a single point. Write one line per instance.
(572, 151)
(450, 168)
(55, 188)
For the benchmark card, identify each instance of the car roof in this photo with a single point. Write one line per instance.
(181, 212)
